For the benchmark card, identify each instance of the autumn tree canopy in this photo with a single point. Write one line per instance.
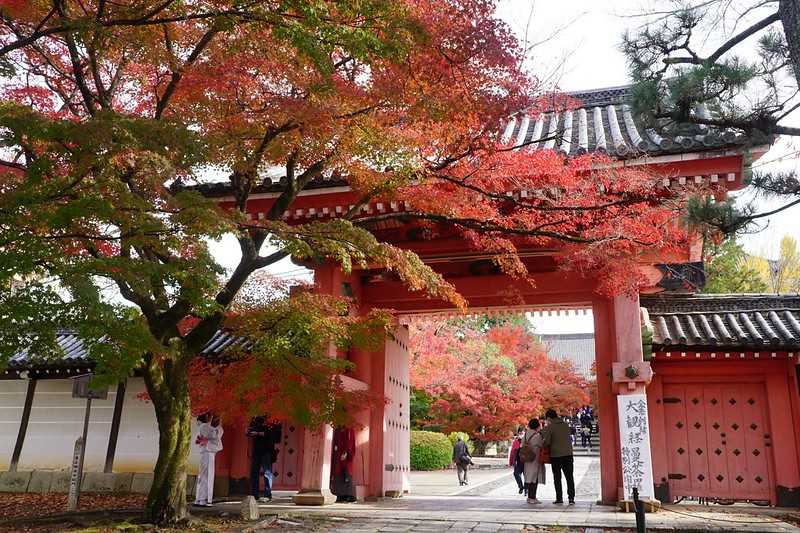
(114, 111)
(488, 381)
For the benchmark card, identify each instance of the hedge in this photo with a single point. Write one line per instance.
(430, 450)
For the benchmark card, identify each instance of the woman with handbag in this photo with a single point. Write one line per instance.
(530, 453)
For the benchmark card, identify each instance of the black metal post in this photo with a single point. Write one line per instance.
(638, 508)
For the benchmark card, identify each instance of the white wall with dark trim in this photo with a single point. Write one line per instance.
(56, 420)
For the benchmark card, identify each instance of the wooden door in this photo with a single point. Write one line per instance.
(397, 417)
(286, 469)
(718, 441)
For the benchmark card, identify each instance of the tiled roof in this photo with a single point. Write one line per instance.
(752, 321)
(75, 354)
(223, 188)
(605, 122)
(575, 347)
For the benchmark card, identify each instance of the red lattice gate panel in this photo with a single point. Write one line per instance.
(288, 464)
(718, 441)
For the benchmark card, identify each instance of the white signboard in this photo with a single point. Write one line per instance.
(634, 436)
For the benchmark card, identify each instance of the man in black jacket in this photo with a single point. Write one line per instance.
(266, 436)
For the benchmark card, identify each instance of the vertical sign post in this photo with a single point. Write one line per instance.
(634, 436)
(76, 473)
(81, 389)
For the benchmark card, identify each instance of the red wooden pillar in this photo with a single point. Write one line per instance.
(658, 437)
(784, 446)
(605, 354)
(318, 442)
(618, 339)
(376, 427)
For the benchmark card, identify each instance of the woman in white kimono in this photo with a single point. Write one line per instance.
(534, 470)
(209, 440)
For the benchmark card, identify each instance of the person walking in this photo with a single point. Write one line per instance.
(209, 440)
(266, 436)
(515, 462)
(462, 459)
(530, 454)
(586, 437)
(556, 438)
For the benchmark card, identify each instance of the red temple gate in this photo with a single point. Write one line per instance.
(382, 460)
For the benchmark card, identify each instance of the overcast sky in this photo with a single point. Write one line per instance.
(580, 51)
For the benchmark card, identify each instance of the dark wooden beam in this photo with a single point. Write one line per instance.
(23, 425)
(119, 400)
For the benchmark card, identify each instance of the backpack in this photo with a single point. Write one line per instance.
(526, 455)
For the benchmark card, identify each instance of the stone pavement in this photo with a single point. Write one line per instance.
(471, 513)
(491, 503)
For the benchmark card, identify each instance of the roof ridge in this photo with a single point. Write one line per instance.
(705, 312)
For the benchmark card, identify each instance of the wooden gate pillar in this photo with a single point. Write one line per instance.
(620, 371)
(318, 442)
(390, 424)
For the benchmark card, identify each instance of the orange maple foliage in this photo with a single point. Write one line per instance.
(116, 111)
(486, 383)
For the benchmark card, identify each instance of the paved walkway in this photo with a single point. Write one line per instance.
(492, 503)
(469, 513)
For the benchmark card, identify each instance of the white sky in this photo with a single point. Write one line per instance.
(581, 52)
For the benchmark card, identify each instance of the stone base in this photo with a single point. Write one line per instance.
(650, 506)
(316, 497)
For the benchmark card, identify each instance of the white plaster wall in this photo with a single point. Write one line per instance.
(12, 400)
(137, 444)
(57, 421)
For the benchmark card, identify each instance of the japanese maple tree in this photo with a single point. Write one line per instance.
(488, 382)
(113, 112)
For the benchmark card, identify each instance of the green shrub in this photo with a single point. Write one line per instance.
(454, 435)
(430, 450)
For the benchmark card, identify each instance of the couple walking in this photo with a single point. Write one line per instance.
(538, 446)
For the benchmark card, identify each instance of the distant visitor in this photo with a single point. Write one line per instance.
(209, 441)
(463, 460)
(266, 436)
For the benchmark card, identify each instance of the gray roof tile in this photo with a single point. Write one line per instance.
(75, 353)
(575, 347)
(605, 122)
(744, 321)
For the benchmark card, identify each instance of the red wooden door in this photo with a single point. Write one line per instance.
(286, 469)
(718, 441)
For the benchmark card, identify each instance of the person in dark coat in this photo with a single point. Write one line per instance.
(515, 462)
(266, 437)
(462, 459)
(344, 452)
(556, 437)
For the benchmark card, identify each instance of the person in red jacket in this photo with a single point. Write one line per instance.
(513, 460)
(344, 452)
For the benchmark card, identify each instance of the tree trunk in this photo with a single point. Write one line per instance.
(480, 447)
(789, 11)
(166, 502)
